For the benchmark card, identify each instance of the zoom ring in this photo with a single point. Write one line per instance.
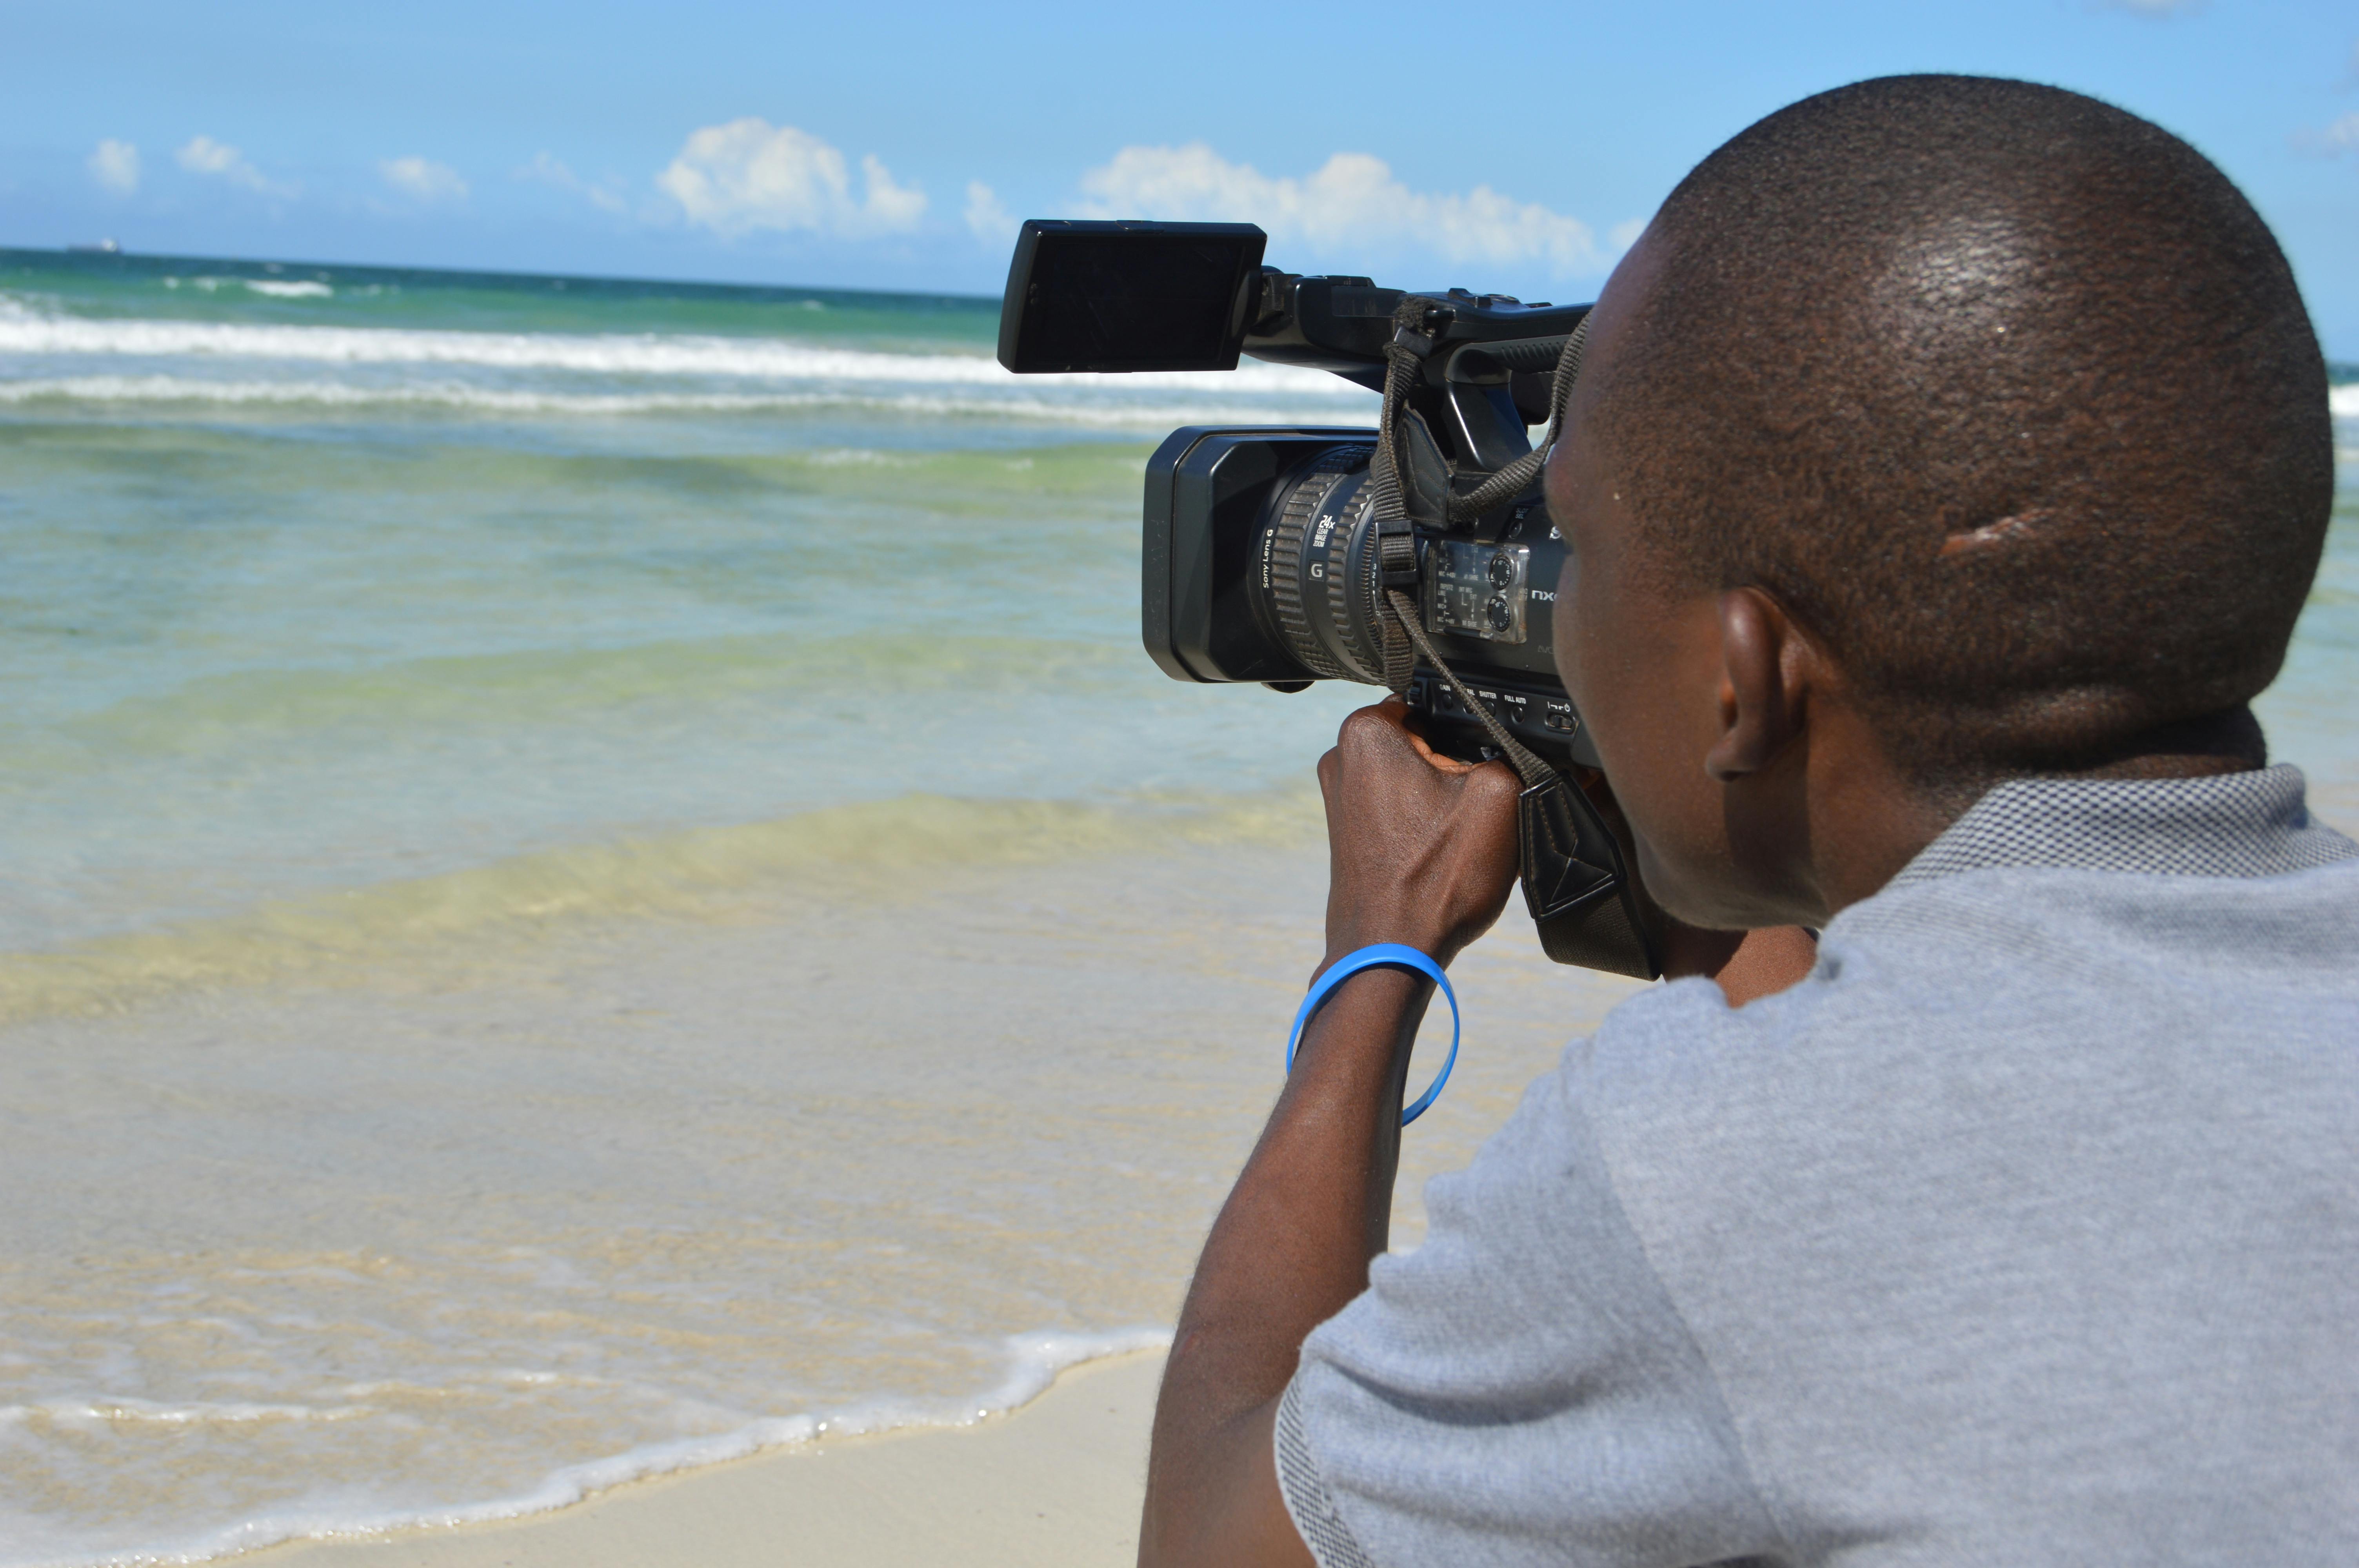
(1290, 536)
(1352, 602)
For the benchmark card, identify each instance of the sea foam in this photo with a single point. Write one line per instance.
(1033, 1362)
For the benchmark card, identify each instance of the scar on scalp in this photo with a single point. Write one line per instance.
(1991, 533)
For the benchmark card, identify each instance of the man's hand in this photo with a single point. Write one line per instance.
(1421, 849)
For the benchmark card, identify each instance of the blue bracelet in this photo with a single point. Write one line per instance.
(1383, 954)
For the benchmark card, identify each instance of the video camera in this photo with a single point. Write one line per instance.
(1417, 556)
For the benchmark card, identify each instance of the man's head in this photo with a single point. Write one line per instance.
(2002, 402)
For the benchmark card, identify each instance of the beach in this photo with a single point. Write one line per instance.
(981, 1164)
(616, 953)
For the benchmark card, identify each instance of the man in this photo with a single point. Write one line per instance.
(1949, 469)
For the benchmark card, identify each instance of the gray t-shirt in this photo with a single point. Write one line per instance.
(2024, 1231)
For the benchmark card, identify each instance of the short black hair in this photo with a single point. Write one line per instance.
(2006, 394)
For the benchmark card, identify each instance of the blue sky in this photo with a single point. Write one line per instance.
(890, 145)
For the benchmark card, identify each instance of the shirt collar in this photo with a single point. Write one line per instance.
(2231, 825)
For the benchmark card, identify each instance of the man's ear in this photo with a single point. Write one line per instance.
(1766, 666)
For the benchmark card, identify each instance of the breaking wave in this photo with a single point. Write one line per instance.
(48, 357)
(25, 331)
(1094, 410)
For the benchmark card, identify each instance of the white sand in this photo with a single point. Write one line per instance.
(1056, 1483)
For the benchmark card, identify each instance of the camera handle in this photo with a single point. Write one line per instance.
(1576, 883)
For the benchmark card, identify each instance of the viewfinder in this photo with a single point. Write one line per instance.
(1128, 296)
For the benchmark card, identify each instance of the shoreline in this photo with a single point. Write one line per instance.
(1055, 1483)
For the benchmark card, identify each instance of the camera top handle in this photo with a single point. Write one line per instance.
(1139, 296)
(1488, 368)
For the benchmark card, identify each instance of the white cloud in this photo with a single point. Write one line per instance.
(2342, 136)
(1625, 234)
(422, 179)
(551, 170)
(203, 155)
(1352, 199)
(750, 174)
(985, 215)
(115, 165)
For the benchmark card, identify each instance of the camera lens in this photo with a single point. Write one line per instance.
(1320, 576)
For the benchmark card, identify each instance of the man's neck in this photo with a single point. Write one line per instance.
(1888, 821)
(2229, 741)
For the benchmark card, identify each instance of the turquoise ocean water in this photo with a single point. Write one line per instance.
(584, 860)
(317, 578)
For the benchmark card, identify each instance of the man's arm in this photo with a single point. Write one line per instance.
(1291, 1248)
(1422, 852)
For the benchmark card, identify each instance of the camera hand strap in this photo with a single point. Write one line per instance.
(1576, 884)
